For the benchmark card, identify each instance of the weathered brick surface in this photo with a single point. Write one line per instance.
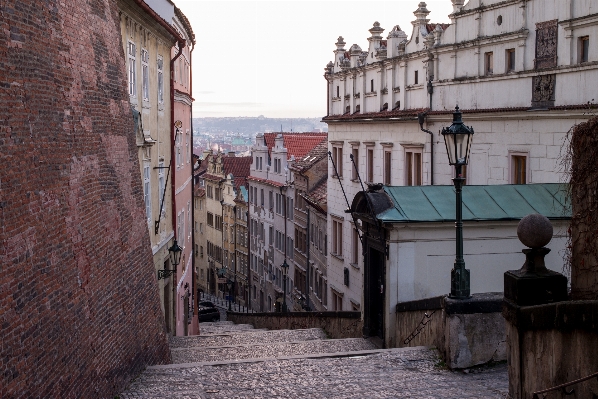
(79, 305)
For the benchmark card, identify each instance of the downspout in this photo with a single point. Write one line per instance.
(307, 264)
(235, 250)
(249, 282)
(420, 119)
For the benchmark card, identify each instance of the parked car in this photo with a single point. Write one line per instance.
(207, 304)
(208, 314)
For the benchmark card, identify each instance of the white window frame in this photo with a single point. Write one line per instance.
(160, 63)
(145, 74)
(132, 57)
(337, 158)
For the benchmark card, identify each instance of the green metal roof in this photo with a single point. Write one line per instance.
(497, 202)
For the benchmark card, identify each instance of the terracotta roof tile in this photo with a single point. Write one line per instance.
(266, 181)
(297, 144)
(317, 153)
(239, 167)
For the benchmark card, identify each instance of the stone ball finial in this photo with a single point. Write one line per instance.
(534, 231)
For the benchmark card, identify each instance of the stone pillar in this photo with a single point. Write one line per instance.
(551, 341)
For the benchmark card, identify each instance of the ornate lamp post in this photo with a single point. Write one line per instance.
(457, 138)
(285, 273)
(175, 258)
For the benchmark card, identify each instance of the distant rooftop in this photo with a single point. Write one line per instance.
(297, 144)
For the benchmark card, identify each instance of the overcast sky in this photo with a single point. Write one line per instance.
(267, 57)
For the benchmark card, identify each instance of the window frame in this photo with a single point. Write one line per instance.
(410, 171)
(488, 63)
(513, 157)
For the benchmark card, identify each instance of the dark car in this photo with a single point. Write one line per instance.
(208, 314)
(207, 304)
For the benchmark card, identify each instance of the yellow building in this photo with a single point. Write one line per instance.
(147, 43)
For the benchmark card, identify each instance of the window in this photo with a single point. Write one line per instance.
(277, 168)
(413, 167)
(355, 246)
(337, 237)
(218, 194)
(372, 85)
(209, 191)
(271, 235)
(416, 77)
(270, 200)
(338, 91)
(147, 192)
(337, 301)
(187, 147)
(584, 47)
(218, 222)
(210, 218)
(337, 158)
(160, 79)
(354, 171)
(488, 63)
(145, 74)
(290, 208)
(132, 76)
(370, 165)
(518, 168)
(262, 197)
(179, 158)
(279, 203)
(387, 167)
(510, 59)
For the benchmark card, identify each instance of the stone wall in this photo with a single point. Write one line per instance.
(79, 306)
(337, 325)
(552, 344)
(467, 332)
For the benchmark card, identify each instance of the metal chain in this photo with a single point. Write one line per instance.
(425, 320)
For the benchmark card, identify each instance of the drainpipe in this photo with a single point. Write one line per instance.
(421, 118)
(193, 265)
(283, 199)
(307, 264)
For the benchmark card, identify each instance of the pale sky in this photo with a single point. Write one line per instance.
(267, 57)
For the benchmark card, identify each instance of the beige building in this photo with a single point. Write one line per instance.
(147, 42)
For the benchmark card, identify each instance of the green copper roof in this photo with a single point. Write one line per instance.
(497, 202)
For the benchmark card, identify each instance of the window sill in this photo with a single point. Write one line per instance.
(355, 266)
(339, 257)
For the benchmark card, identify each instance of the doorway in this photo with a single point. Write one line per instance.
(186, 313)
(377, 289)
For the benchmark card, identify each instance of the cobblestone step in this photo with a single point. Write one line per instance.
(218, 328)
(246, 337)
(394, 373)
(269, 350)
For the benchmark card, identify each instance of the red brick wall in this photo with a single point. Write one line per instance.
(79, 305)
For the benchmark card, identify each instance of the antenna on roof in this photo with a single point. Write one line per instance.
(281, 128)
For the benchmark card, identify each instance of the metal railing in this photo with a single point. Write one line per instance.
(563, 387)
(223, 303)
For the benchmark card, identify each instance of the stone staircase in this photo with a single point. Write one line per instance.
(237, 361)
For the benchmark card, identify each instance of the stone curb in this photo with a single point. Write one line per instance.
(264, 344)
(310, 356)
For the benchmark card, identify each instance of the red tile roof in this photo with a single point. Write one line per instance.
(317, 153)
(239, 167)
(297, 144)
(209, 176)
(270, 182)
(317, 197)
(430, 27)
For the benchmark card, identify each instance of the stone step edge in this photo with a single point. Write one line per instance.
(262, 344)
(255, 330)
(295, 357)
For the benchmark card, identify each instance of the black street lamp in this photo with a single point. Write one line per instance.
(285, 274)
(457, 138)
(175, 258)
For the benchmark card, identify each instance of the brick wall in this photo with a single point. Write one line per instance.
(79, 305)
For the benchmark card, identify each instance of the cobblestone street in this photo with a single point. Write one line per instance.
(234, 361)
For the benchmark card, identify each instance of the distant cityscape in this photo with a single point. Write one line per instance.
(238, 133)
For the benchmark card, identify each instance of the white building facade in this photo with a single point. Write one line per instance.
(522, 72)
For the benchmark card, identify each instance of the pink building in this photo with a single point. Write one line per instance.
(182, 166)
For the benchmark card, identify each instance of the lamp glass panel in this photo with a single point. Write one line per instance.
(449, 141)
(461, 143)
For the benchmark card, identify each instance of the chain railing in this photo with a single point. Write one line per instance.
(425, 320)
(563, 387)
